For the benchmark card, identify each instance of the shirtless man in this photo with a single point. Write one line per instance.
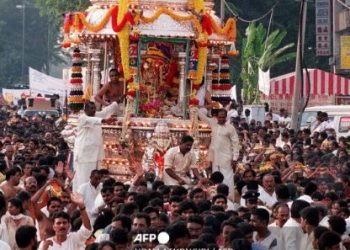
(54, 205)
(112, 91)
(10, 187)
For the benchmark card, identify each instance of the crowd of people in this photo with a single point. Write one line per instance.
(268, 187)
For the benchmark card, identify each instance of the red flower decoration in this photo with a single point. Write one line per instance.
(221, 87)
(194, 102)
(131, 93)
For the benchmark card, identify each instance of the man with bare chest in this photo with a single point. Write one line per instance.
(113, 91)
(45, 223)
(10, 187)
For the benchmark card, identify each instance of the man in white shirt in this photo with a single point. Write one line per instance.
(309, 221)
(292, 232)
(267, 191)
(88, 145)
(284, 121)
(282, 215)
(90, 190)
(63, 240)
(178, 162)
(224, 147)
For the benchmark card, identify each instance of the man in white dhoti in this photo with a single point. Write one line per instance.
(224, 146)
(88, 145)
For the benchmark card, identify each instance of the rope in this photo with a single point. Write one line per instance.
(253, 20)
(345, 5)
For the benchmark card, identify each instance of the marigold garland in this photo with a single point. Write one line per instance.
(97, 27)
(124, 41)
(198, 5)
(229, 30)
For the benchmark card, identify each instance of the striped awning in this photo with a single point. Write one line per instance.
(321, 83)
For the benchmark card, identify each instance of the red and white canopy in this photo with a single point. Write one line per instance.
(321, 83)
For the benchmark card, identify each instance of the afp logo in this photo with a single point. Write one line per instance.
(163, 238)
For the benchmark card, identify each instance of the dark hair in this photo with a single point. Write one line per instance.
(12, 172)
(187, 204)
(104, 218)
(337, 224)
(143, 216)
(262, 214)
(107, 189)
(176, 231)
(217, 177)
(310, 214)
(179, 190)
(197, 219)
(187, 138)
(328, 239)
(61, 214)
(219, 196)
(297, 206)
(23, 196)
(310, 188)
(106, 243)
(16, 203)
(127, 208)
(318, 231)
(52, 199)
(24, 235)
(223, 189)
(119, 236)
(198, 244)
(282, 192)
(222, 111)
(195, 191)
(125, 220)
(150, 209)
(238, 244)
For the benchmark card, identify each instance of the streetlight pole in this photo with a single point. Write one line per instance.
(23, 7)
(297, 100)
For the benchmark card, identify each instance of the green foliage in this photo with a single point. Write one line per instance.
(262, 51)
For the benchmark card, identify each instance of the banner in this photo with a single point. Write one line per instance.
(264, 81)
(323, 27)
(40, 83)
(13, 95)
(345, 52)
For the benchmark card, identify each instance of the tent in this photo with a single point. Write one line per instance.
(321, 83)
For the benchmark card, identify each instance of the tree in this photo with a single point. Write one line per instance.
(260, 50)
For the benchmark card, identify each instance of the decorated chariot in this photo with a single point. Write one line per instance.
(163, 49)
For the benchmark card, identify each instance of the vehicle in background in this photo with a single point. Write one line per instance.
(338, 114)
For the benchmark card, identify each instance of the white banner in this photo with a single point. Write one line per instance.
(40, 83)
(13, 95)
(264, 81)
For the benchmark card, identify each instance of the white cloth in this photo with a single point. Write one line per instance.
(306, 198)
(82, 173)
(224, 148)
(89, 193)
(266, 198)
(326, 125)
(200, 95)
(270, 242)
(74, 241)
(181, 164)
(306, 242)
(4, 245)
(324, 222)
(292, 235)
(88, 146)
(285, 121)
(276, 230)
